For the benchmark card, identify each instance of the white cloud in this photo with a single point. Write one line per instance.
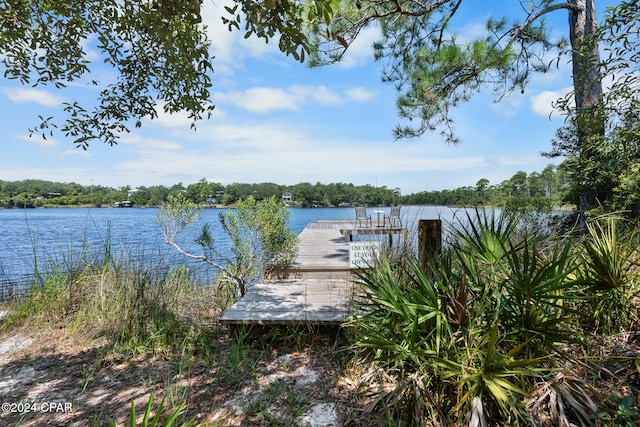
(361, 94)
(77, 153)
(327, 144)
(262, 100)
(249, 137)
(543, 103)
(58, 174)
(149, 143)
(22, 95)
(320, 94)
(509, 106)
(176, 120)
(250, 151)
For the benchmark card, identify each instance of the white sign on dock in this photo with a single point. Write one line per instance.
(363, 254)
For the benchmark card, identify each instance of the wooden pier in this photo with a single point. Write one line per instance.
(317, 288)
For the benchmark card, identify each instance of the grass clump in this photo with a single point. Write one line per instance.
(609, 258)
(137, 309)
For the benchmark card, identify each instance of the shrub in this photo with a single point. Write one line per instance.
(472, 340)
(259, 239)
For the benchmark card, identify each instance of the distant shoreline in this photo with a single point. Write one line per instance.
(563, 208)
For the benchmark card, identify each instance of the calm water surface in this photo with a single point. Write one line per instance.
(47, 237)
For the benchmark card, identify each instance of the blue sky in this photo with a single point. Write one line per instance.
(279, 121)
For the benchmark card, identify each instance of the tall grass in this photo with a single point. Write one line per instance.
(488, 337)
(138, 307)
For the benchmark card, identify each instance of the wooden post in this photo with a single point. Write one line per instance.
(429, 241)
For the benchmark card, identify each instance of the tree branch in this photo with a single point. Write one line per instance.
(239, 281)
(446, 21)
(517, 32)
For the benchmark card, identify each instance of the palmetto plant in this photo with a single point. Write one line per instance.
(519, 281)
(609, 255)
(475, 337)
(610, 267)
(403, 327)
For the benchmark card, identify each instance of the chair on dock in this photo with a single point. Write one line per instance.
(361, 215)
(394, 216)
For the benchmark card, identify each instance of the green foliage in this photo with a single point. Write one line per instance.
(528, 204)
(431, 68)
(621, 412)
(176, 216)
(258, 233)
(604, 164)
(610, 258)
(42, 43)
(521, 284)
(157, 420)
(484, 336)
(474, 338)
(286, 19)
(51, 194)
(536, 190)
(237, 352)
(260, 239)
(159, 51)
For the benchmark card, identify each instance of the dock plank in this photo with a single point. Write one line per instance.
(318, 301)
(319, 292)
(316, 288)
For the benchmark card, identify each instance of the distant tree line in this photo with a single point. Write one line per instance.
(537, 190)
(545, 189)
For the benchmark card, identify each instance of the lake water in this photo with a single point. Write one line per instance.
(54, 237)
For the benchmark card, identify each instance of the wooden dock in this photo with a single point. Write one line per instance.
(317, 288)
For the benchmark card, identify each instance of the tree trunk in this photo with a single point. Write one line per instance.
(587, 85)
